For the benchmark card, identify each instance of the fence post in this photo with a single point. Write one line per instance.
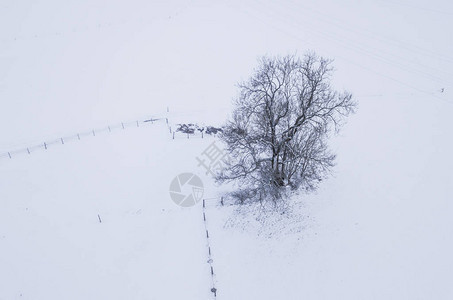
(94, 133)
(110, 129)
(9, 154)
(28, 150)
(78, 136)
(122, 124)
(173, 135)
(202, 134)
(137, 124)
(45, 145)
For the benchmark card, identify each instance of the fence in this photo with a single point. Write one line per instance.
(78, 136)
(174, 134)
(210, 261)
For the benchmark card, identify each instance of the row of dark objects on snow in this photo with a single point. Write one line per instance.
(192, 128)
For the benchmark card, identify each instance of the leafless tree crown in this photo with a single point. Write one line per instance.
(277, 135)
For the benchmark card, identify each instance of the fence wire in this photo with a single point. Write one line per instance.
(174, 134)
(78, 136)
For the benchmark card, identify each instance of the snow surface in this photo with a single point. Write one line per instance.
(53, 245)
(380, 228)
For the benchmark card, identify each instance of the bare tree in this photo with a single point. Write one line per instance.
(276, 138)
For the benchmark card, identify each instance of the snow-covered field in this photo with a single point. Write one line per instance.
(380, 228)
(53, 245)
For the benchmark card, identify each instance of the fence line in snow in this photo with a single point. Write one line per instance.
(78, 136)
(210, 261)
(174, 134)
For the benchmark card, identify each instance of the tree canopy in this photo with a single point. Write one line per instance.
(277, 135)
